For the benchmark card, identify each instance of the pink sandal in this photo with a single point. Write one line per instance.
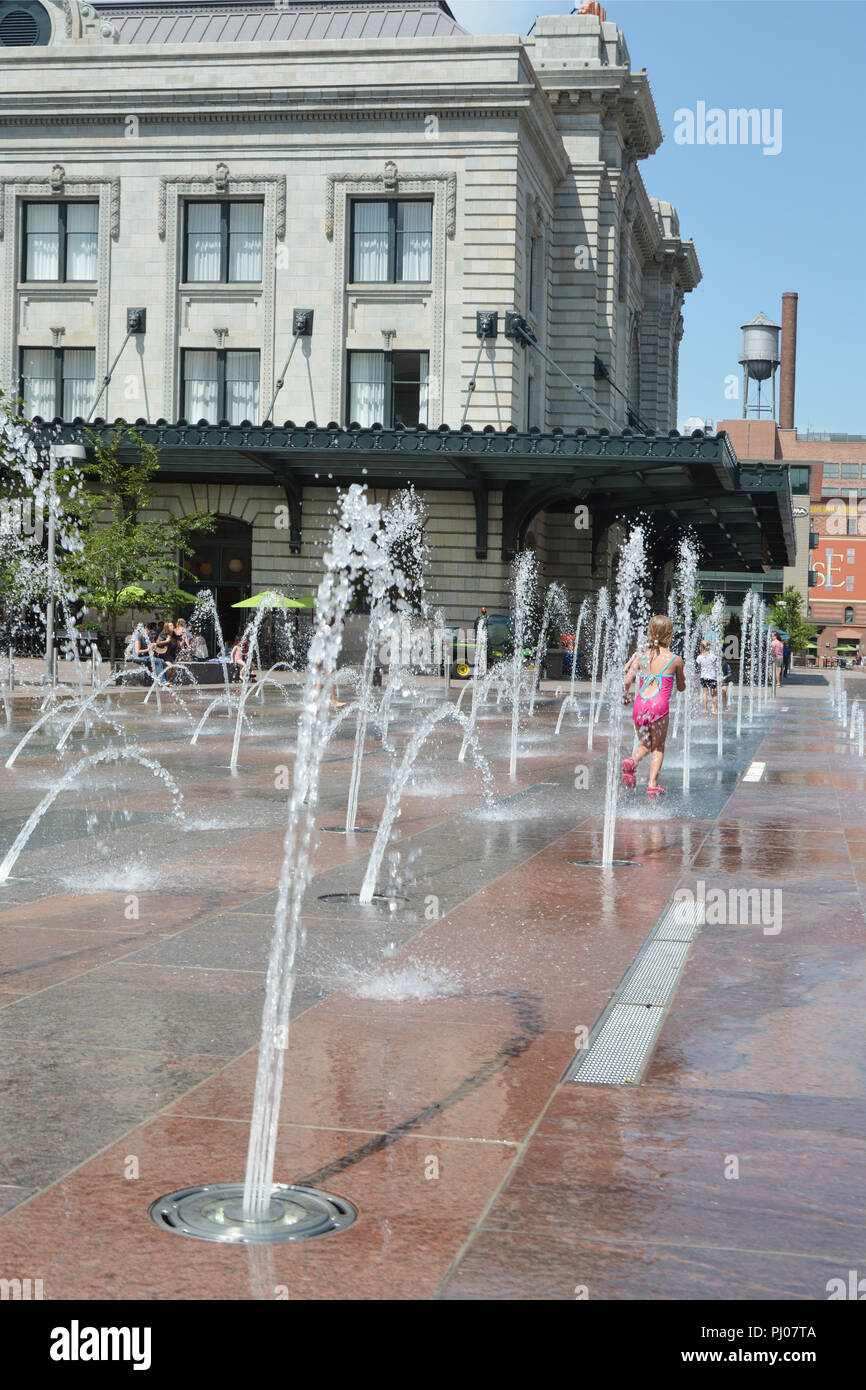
(628, 773)
(656, 791)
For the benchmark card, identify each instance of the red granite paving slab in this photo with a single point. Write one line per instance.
(812, 854)
(502, 1265)
(33, 957)
(356, 1066)
(757, 1013)
(410, 1226)
(166, 1009)
(663, 1173)
(167, 911)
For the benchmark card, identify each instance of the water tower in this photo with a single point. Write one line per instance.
(759, 361)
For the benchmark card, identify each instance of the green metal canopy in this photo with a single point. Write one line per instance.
(741, 513)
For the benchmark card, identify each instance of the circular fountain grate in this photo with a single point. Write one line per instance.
(390, 898)
(598, 863)
(215, 1212)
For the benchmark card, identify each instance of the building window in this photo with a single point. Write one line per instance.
(60, 241)
(223, 243)
(220, 384)
(392, 241)
(849, 615)
(830, 470)
(850, 470)
(799, 479)
(57, 382)
(849, 583)
(388, 388)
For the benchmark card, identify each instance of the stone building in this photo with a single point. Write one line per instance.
(353, 184)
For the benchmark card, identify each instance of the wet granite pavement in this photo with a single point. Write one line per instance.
(429, 1042)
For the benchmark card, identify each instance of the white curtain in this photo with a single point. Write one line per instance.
(82, 223)
(367, 387)
(422, 393)
(78, 373)
(414, 237)
(43, 241)
(371, 242)
(37, 369)
(203, 241)
(201, 386)
(242, 386)
(245, 241)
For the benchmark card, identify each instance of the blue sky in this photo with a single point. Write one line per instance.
(761, 223)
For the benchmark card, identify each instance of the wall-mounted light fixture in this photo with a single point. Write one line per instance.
(136, 323)
(302, 327)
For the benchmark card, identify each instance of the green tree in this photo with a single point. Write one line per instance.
(124, 563)
(787, 614)
(702, 606)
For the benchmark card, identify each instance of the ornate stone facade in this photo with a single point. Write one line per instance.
(530, 149)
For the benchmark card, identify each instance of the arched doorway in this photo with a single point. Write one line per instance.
(222, 562)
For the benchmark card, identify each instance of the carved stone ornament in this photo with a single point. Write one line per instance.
(59, 182)
(222, 182)
(393, 182)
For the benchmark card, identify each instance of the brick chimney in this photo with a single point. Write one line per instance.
(788, 372)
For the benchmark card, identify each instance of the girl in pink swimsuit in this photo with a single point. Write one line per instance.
(656, 670)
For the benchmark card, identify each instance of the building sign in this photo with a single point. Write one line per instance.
(840, 567)
(838, 511)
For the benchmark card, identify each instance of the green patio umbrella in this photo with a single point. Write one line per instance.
(269, 599)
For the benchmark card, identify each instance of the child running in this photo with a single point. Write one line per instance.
(709, 668)
(656, 669)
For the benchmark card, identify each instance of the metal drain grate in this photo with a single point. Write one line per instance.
(681, 922)
(621, 1049)
(623, 1041)
(655, 974)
